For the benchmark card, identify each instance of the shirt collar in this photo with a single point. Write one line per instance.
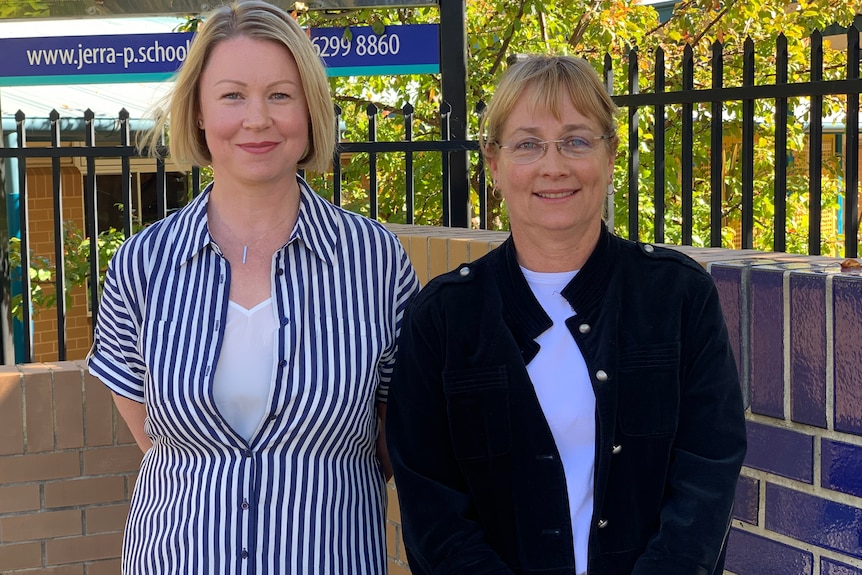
(584, 292)
(317, 225)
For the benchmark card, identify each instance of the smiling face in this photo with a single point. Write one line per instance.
(253, 112)
(555, 196)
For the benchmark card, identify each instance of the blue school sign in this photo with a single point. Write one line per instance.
(357, 51)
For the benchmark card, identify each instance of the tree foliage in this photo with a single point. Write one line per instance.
(591, 29)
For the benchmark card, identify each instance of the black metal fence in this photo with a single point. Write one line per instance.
(125, 151)
(719, 98)
(633, 103)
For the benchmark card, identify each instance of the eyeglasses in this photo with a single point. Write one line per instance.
(529, 150)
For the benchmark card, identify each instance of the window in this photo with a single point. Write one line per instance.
(109, 197)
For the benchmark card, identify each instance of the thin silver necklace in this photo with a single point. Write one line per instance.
(245, 246)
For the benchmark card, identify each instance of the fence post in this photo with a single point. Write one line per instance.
(633, 154)
(59, 240)
(24, 354)
(91, 217)
(453, 68)
(608, 78)
(7, 346)
(851, 154)
(716, 151)
(781, 113)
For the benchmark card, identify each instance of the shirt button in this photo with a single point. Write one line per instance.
(584, 328)
(601, 375)
(244, 554)
(285, 321)
(602, 523)
(279, 272)
(273, 417)
(244, 504)
(282, 363)
(246, 453)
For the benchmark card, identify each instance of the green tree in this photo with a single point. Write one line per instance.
(500, 28)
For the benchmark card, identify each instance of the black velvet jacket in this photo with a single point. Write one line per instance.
(479, 479)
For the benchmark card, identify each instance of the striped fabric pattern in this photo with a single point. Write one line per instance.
(305, 494)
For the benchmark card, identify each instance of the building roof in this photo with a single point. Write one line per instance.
(105, 100)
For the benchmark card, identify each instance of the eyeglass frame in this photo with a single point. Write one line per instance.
(544, 145)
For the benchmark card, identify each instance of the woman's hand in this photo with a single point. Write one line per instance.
(134, 414)
(382, 451)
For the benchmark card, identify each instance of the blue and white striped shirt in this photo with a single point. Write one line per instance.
(305, 494)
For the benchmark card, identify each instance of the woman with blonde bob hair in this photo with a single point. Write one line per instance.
(567, 404)
(188, 141)
(249, 338)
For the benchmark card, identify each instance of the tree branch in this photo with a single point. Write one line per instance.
(386, 108)
(715, 21)
(507, 40)
(582, 23)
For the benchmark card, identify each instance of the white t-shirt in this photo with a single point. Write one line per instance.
(562, 383)
(242, 383)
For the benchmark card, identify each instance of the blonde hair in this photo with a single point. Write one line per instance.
(548, 79)
(257, 20)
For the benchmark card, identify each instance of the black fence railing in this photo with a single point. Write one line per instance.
(114, 142)
(64, 131)
(739, 103)
(409, 147)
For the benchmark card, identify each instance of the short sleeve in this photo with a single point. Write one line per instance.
(115, 357)
(406, 286)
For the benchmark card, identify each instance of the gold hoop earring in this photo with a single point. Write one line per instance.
(611, 190)
(496, 193)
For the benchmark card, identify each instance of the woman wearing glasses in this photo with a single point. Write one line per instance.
(569, 403)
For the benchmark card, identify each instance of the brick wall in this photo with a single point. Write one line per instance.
(67, 468)
(799, 501)
(41, 235)
(68, 463)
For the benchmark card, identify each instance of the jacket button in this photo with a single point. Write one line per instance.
(601, 375)
(648, 248)
(464, 271)
(584, 328)
(602, 523)
(616, 449)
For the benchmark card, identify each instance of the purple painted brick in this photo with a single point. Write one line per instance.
(767, 342)
(749, 554)
(728, 282)
(814, 520)
(830, 567)
(780, 451)
(841, 466)
(808, 349)
(847, 304)
(746, 502)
